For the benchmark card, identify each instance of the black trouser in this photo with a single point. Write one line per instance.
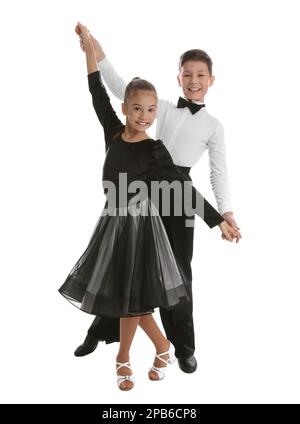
(178, 322)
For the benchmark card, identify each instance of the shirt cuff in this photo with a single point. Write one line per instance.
(225, 208)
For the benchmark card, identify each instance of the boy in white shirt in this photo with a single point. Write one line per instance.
(187, 130)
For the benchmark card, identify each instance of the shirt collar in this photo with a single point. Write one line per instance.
(194, 101)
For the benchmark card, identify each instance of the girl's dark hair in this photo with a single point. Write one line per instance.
(196, 54)
(137, 84)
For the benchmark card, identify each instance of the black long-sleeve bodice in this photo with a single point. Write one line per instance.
(146, 160)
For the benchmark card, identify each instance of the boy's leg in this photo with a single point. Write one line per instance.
(102, 329)
(178, 322)
(179, 327)
(105, 329)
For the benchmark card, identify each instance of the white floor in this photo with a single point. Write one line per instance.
(247, 345)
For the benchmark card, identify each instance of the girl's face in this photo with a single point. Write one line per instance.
(140, 110)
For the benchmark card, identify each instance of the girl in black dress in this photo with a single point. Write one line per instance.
(128, 267)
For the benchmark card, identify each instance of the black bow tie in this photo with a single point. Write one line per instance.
(194, 107)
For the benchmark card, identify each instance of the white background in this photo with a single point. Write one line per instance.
(246, 296)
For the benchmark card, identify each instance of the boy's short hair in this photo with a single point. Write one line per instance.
(196, 54)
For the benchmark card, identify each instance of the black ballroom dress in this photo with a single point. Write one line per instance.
(128, 267)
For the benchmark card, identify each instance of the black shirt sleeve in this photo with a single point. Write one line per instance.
(162, 168)
(107, 116)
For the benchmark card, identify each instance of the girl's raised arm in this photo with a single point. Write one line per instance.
(101, 101)
(107, 116)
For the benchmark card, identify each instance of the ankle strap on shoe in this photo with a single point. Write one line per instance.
(158, 356)
(126, 364)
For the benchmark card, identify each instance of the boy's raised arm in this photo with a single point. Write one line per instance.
(112, 79)
(115, 83)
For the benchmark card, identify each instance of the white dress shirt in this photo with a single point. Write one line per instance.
(186, 136)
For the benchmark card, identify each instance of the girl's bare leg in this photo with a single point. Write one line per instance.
(128, 328)
(161, 343)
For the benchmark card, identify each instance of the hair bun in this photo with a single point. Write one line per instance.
(137, 84)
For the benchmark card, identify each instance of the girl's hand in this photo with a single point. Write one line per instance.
(86, 42)
(229, 218)
(97, 48)
(229, 233)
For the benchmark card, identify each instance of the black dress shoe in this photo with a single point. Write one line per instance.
(187, 365)
(88, 346)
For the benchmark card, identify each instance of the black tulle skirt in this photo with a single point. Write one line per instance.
(128, 267)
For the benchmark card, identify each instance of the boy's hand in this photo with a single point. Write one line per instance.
(98, 49)
(97, 46)
(228, 216)
(86, 42)
(229, 233)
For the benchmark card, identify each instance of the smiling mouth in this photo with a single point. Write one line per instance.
(194, 89)
(143, 124)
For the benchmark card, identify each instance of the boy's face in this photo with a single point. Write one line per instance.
(194, 79)
(140, 110)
